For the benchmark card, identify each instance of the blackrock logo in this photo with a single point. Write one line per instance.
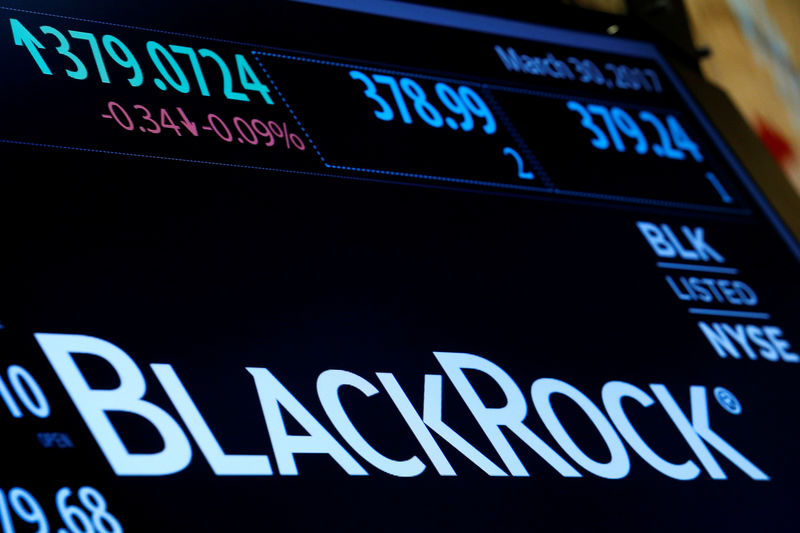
(610, 421)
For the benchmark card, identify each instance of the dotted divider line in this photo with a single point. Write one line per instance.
(271, 169)
(298, 58)
(533, 92)
(694, 207)
(291, 111)
(128, 26)
(562, 96)
(711, 159)
(649, 201)
(333, 63)
(168, 158)
(363, 67)
(442, 178)
(626, 199)
(538, 170)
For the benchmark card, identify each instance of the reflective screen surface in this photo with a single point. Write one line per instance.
(378, 266)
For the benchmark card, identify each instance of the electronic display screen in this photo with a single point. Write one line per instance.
(325, 265)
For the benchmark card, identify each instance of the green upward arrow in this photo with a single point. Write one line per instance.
(22, 37)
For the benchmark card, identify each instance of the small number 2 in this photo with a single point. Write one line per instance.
(521, 172)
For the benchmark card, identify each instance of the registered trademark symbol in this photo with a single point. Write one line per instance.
(727, 400)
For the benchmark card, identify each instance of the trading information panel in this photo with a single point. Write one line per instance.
(379, 266)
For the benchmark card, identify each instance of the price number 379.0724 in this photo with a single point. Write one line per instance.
(74, 47)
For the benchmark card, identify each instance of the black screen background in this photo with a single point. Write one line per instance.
(213, 269)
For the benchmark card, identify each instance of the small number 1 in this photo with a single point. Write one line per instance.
(5, 516)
